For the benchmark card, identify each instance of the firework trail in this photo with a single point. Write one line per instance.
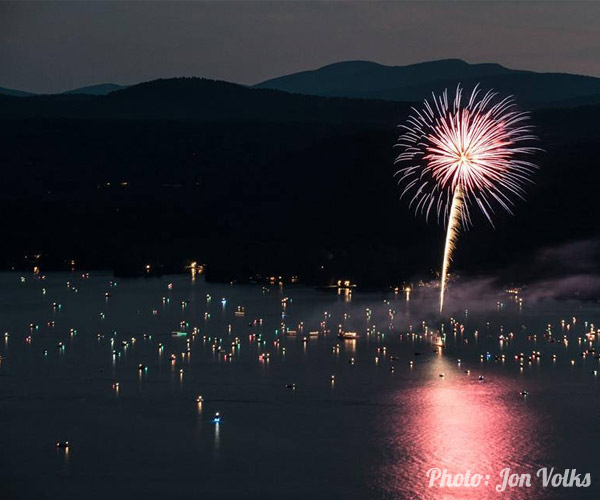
(457, 154)
(451, 237)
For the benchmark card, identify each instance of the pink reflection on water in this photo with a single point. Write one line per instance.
(459, 423)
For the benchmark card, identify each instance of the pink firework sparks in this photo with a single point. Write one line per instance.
(476, 145)
(461, 154)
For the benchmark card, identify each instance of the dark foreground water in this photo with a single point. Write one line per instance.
(70, 371)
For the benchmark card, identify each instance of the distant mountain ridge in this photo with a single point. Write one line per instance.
(364, 79)
(14, 93)
(411, 83)
(99, 89)
(199, 99)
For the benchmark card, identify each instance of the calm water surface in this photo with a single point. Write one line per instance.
(373, 432)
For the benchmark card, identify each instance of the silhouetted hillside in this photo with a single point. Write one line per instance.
(100, 89)
(199, 99)
(534, 90)
(257, 181)
(13, 92)
(350, 78)
(415, 82)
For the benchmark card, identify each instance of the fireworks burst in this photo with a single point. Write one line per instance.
(458, 154)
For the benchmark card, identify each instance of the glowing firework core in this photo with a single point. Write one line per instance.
(464, 154)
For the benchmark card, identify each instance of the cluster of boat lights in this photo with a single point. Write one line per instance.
(226, 348)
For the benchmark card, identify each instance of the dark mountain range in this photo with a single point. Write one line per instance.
(13, 92)
(412, 83)
(363, 79)
(359, 77)
(199, 99)
(100, 89)
(257, 181)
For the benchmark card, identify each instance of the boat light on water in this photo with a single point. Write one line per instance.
(348, 335)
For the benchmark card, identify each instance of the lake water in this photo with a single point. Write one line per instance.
(372, 432)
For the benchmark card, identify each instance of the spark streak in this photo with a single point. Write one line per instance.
(451, 237)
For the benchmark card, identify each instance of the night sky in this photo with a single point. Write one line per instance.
(55, 46)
